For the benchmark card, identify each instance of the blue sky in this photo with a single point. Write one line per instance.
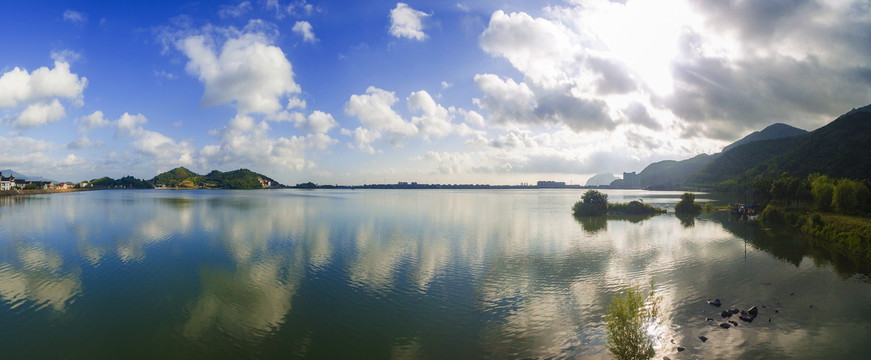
(495, 92)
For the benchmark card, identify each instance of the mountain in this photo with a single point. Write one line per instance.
(601, 179)
(671, 174)
(838, 149)
(775, 131)
(236, 179)
(700, 169)
(17, 175)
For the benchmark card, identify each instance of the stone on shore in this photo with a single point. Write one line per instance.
(715, 302)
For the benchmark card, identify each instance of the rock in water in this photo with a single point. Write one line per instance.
(734, 311)
(726, 314)
(715, 302)
(709, 319)
(725, 325)
(733, 322)
(753, 311)
(679, 349)
(703, 339)
(745, 318)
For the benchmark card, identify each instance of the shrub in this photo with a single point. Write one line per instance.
(773, 215)
(634, 207)
(629, 316)
(849, 196)
(822, 189)
(592, 203)
(687, 204)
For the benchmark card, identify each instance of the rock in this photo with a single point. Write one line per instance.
(679, 349)
(703, 339)
(777, 310)
(733, 322)
(753, 311)
(725, 325)
(709, 319)
(745, 318)
(726, 314)
(791, 294)
(715, 302)
(734, 311)
(769, 319)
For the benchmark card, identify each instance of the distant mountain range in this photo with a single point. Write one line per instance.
(601, 179)
(17, 175)
(839, 149)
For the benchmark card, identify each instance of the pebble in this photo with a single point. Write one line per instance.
(679, 349)
(703, 339)
(725, 325)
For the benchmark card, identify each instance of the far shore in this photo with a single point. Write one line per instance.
(39, 191)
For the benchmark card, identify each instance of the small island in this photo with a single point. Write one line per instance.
(595, 203)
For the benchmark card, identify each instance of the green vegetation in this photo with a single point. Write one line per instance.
(687, 204)
(127, 182)
(237, 179)
(634, 207)
(595, 203)
(630, 314)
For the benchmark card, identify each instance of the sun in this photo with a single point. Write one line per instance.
(644, 36)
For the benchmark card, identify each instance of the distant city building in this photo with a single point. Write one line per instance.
(631, 180)
(551, 184)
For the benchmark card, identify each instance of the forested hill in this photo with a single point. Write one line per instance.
(839, 149)
(236, 179)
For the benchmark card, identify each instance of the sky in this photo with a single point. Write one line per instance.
(361, 92)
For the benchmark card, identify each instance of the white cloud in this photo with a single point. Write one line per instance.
(435, 121)
(92, 121)
(65, 56)
(71, 160)
(304, 29)
(446, 85)
(38, 114)
(18, 87)
(374, 109)
(407, 22)
(295, 102)
(75, 16)
(157, 147)
(363, 139)
(229, 11)
(247, 70)
(246, 142)
(83, 142)
(318, 122)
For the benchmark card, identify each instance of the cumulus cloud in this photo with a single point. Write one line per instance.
(304, 29)
(362, 138)
(18, 87)
(245, 70)
(157, 147)
(406, 22)
(246, 141)
(374, 109)
(95, 120)
(40, 114)
(435, 119)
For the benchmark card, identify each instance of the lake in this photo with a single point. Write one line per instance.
(396, 274)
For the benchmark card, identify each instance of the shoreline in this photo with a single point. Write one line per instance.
(40, 191)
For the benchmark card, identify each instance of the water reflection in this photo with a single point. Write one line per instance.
(408, 274)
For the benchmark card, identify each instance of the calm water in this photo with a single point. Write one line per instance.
(400, 274)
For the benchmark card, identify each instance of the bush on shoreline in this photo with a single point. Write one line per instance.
(595, 203)
(687, 204)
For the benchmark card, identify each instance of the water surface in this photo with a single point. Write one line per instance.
(401, 274)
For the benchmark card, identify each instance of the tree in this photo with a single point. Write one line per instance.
(849, 196)
(822, 189)
(630, 314)
(592, 203)
(687, 204)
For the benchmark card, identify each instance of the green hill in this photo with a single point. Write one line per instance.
(840, 149)
(236, 179)
(771, 132)
(671, 174)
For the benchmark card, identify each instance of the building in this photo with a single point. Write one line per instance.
(551, 184)
(631, 180)
(7, 183)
